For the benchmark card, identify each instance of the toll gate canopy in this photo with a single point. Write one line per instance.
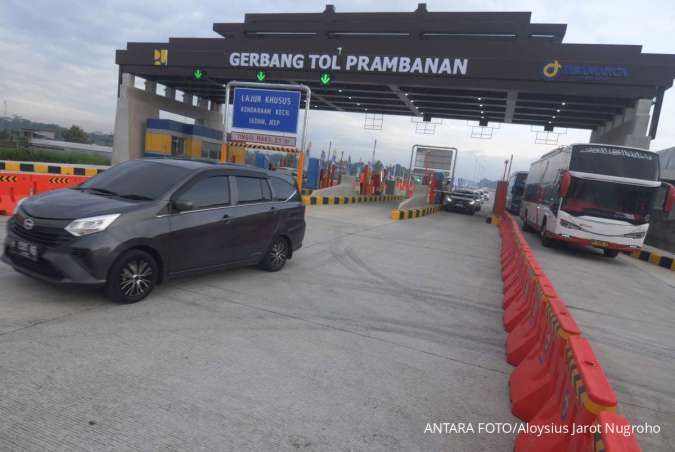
(483, 67)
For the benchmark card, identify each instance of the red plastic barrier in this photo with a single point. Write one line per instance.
(13, 188)
(44, 182)
(614, 434)
(558, 384)
(16, 186)
(532, 382)
(581, 392)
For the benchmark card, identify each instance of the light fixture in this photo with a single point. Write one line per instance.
(406, 94)
(339, 91)
(553, 116)
(350, 97)
(412, 101)
(358, 105)
(549, 122)
(558, 110)
(481, 105)
(563, 103)
(479, 99)
(481, 112)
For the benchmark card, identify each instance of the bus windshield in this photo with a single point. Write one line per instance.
(611, 200)
(615, 161)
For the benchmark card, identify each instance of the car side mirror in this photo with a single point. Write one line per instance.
(183, 205)
(565, 182)
(669, 203)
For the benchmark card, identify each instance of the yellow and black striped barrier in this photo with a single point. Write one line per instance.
(7, 178)
(50, 168)
(655, 259)
(406, 214)
(335, 200)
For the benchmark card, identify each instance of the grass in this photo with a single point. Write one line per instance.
(39, 155)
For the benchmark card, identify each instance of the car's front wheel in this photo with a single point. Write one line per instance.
(132, 277)
(276, 256)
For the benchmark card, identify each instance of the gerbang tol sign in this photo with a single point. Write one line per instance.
(350, 63)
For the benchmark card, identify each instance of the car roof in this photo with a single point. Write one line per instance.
(209, 165)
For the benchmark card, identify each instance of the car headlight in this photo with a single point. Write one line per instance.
(86, 226)
(472, 202)
(569, 225)
(448, 199)
(635, 235)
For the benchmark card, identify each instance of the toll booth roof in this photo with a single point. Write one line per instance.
(488, 66)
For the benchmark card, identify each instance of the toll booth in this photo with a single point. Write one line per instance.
(167, 138)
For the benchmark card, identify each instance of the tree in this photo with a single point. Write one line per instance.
(76, 135)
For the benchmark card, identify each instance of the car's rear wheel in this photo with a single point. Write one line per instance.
(132, 277)
(610, 253)
(276, 256)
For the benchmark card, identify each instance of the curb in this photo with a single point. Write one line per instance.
(51, 168)
(662, 261)
(406, 214)
(334, 200)
(493, 219)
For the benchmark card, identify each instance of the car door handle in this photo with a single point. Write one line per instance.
(225, 219)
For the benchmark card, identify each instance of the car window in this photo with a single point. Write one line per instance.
(137, 178)
(267, 193)
(209, 192)
(251, 190)
(282, 189)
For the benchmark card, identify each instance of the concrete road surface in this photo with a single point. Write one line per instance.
(626, 308)
(373, 330)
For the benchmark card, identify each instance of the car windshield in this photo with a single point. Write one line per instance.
(465, 194)
(611, 200)
(135, 179)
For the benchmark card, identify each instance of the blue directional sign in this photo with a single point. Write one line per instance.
(266, 109)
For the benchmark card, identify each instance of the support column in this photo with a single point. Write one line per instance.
(214, 119)
(130, 119)
(511, 99)
(150, 87)
(627, 129)
(136, 106)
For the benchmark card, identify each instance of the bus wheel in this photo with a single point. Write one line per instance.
(610, 253)
(545, 241)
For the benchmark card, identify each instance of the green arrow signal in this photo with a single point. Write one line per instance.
(325, 79)
(261, 76)
(198, 74)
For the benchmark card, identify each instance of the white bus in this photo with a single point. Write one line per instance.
(593, 195)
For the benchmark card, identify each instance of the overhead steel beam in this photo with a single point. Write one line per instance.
(404, 99)
(511, 99)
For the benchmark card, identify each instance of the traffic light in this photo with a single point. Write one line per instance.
(198, 73)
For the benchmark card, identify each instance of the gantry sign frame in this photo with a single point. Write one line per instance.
(496, 67)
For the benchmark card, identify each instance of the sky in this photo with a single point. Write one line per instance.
(57, 64)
